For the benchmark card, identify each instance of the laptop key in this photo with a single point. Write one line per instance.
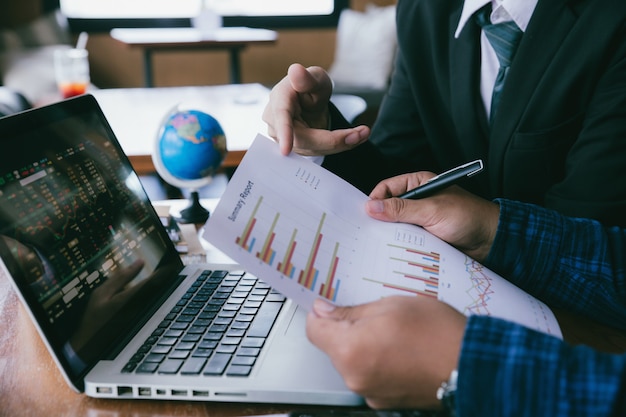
(249, 351)
(264, 320)
(230, 340)
(243, 360)
(240, 325)
(235, 333)
(226, 348)
(154, 358)
(217, 364)
(147, 368)
(239, 370)
(161, 349)
(173, 333)
(191, 337)
(168, 341)
(185, 346)
(179, 354)
(208, 344)
(253, 342)
(202, 352)
(179, 325)
(170, 366)
(212, 336)
(193, 366)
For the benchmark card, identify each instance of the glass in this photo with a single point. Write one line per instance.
(71, 68)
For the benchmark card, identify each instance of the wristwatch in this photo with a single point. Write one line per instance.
(446, 393)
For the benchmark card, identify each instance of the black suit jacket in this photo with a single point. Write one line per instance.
(559, 136)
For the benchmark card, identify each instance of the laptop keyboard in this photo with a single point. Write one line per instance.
(218, 327)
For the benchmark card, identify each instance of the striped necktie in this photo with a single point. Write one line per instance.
(504, 38)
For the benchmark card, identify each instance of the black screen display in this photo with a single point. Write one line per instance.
(77, 232)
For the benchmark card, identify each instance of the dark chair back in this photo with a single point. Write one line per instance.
(12, 102)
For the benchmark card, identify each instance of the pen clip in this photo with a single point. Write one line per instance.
(473, 170)
(479, 167)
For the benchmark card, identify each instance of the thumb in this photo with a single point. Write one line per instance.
(327, 324)
(307, 80)
(324, 309)
(393, 210)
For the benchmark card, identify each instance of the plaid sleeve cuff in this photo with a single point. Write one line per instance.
(508, 370)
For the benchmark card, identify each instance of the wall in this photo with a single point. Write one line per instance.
(115, 65)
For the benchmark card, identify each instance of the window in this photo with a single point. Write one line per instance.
(103, 15)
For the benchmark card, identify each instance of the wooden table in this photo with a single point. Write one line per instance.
(135, 115)
(31, 385)
(232, 39)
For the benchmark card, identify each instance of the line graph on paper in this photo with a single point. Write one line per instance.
(481, 288)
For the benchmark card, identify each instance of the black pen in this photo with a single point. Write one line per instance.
(445, 179)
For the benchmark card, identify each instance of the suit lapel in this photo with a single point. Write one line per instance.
(551, 22)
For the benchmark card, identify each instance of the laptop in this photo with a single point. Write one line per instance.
(120, 313)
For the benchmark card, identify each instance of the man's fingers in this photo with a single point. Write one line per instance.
(400, 184)
(307, 80)
(322, 142)
(283, 131)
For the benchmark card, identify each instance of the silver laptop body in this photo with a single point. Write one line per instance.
(108, 293)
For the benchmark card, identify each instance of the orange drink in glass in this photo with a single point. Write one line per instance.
(71, 67)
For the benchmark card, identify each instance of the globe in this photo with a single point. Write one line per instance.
(189, 149)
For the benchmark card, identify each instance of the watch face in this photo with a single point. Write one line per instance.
(446, 393)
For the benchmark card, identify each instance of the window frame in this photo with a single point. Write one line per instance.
(266, 22)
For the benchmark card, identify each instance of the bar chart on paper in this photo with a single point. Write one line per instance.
(306, 233)
(301, 244)
(411, 271)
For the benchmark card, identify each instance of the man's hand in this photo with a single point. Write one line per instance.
(394, 352)
(297, 115)
(456, 216)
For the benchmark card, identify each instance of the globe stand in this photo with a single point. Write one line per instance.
(195, 213)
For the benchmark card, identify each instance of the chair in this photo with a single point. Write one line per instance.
(12, 102)
(364, 55)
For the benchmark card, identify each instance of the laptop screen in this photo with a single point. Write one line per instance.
(78, 233)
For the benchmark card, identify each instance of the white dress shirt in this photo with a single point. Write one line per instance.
(518, 11)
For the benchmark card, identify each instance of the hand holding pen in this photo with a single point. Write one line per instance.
(443, 180)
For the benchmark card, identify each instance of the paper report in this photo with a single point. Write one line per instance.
(304, 231)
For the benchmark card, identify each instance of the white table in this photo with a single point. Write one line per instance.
(135, 115)
(232, 39)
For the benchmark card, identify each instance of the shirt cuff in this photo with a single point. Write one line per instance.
(319, 160)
